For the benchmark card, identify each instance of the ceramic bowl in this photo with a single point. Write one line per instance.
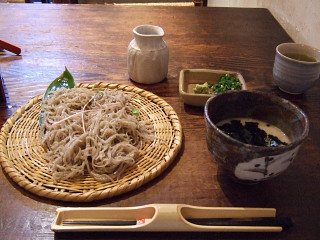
(250, 163)
(296, 67)
(190, 77)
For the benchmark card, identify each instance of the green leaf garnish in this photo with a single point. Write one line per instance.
(64, 80)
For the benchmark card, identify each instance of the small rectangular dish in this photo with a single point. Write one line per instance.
(169, 217)
(190, 77)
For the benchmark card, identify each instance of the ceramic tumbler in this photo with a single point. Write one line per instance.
(296, 67)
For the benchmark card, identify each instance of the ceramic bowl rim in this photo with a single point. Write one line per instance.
(291, 145)
(295, 60)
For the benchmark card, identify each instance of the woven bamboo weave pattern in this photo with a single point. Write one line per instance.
(23, 158)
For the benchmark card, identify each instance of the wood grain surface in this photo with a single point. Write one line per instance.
(91, 41)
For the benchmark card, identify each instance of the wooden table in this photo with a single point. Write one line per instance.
(92, 40)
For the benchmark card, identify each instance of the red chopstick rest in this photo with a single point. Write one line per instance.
(9, 47)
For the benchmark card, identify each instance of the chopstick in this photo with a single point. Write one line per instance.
(284, 222)
(101, 222)
(9, 47)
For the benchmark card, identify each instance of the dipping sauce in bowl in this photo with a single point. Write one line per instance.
(254, 132)
(276, 124)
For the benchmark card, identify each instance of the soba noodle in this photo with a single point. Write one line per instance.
(91, 131)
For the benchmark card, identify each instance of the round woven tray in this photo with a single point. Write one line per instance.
(22, 156)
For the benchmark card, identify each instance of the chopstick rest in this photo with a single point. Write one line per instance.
(170, 217)
(9, 47)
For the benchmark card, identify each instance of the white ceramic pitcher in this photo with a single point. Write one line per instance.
(148, 55)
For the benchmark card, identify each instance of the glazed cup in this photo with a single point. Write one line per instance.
(248, 163)
(295, 76)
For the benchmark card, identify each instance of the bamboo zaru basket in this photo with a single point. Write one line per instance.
(23, 158)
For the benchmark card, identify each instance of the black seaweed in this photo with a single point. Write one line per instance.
(250, 133)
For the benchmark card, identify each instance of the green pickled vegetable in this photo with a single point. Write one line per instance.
(226, 83)
(64, 80)
(135, 112)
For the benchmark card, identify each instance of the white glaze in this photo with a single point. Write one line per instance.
(260, 169)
